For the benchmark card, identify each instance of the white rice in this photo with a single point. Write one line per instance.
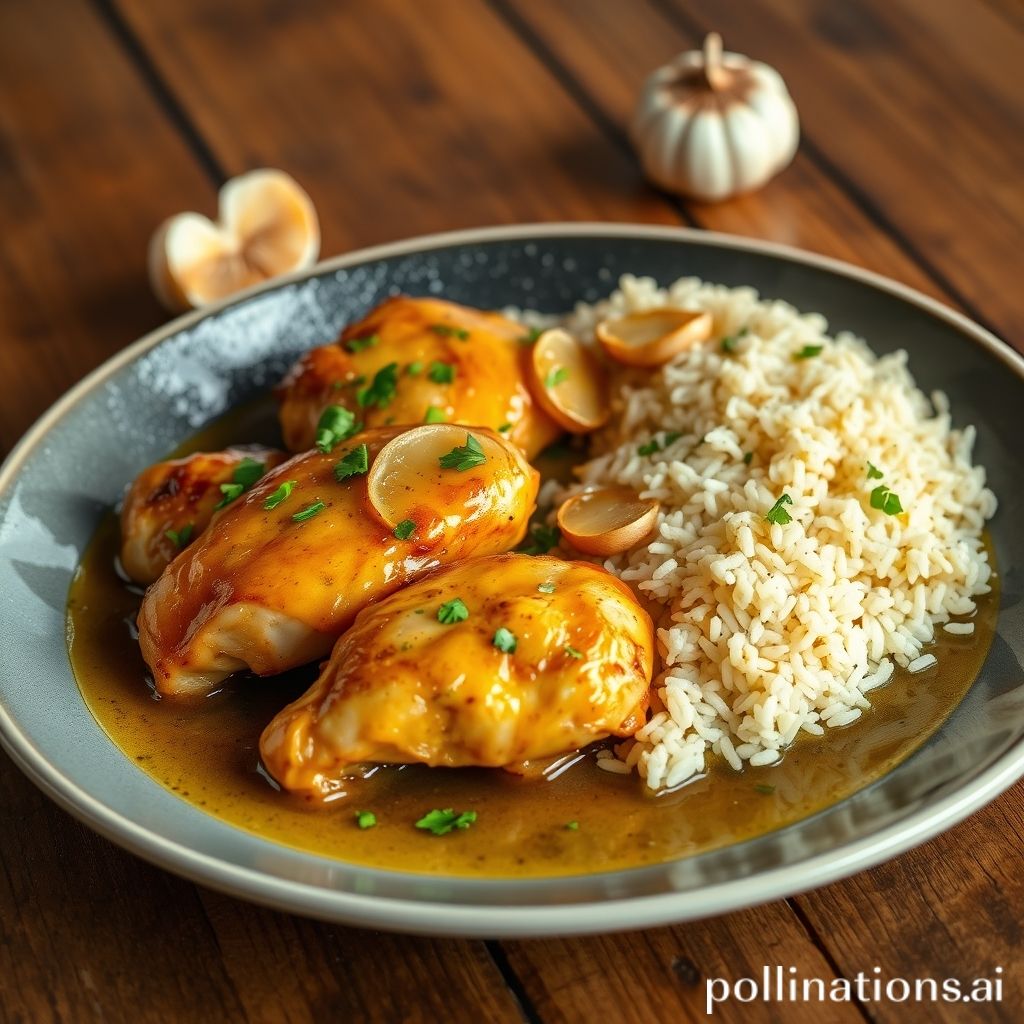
(769, 630)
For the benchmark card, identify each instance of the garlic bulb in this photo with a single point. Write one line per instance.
(712, 124)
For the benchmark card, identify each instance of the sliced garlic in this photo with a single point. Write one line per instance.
(407, 481)
(607, 521)
(267, 226)
(654, 336)
(568, 382)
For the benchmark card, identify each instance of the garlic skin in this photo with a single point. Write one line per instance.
(711, 125)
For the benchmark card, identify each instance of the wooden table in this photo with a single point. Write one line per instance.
(409, 117)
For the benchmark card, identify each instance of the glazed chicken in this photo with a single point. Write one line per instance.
(288, 565)
(490, 662)
(171, 503)
(415, 361)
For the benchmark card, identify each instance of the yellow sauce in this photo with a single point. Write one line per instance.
(207, 755)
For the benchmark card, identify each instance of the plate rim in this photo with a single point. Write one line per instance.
(491, 920)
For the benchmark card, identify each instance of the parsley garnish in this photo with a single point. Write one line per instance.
(382, 390)
(763, 787)
(555, 376)
(874, 473)
(179, 538)
(414, 369)
(809, 352)
(355, 463)
(505, 640)
(572, 652)
(282, 492)
(884, 499)
(440, 823)
(748, 457)
(463, 457)
(441, 373)
(246, 473)
(654, 445)
(358, 344)
(405, 529)
(365, 819)
(572, 826)
(309, 511)
(777, 513)
(336, 423)
(542, 539)
(447, 331)
(547, 587)
(729, 341)
(531, 335)
(452, 611)
(504, 428)
(229, 492)
(434, 415)
(649, 448)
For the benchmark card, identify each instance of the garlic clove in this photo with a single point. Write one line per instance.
(568, 382)
(267, 226)
(654, 336)
(607, 521)
(407, 481)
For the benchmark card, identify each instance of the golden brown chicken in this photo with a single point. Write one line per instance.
(171, 503)
(286, 567)
(415, 361)
(489, 662)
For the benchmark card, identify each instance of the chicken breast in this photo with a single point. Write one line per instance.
(415, 361)
(490, 662)
(171, 503)
(286, 568)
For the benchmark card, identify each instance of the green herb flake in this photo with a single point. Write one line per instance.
(440, 823)
(556, 375)
(542, 539)
(248, 471)
(414, 369)
(281, 494)
(809, 352)
(447, 331)
(531, 335)
(885, 500)
(336, 423)
(504, 428)
(505, 640)
(763, 787)
(452, 611)
(463, 457)
(382, 390)
(572, 651)
(405, 529)
(874, 473)
(748, 457)
(229, 492)
(441, 372)
(778, 514)
(547, 587)
(649, 447)
(309, 511)
(434, 415)
(730, 340)
(365, 819)
(354, 463)
(572, 826)
(179, 538)
(671, 437)
(360, 344)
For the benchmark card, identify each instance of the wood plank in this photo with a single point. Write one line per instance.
(661, 974)
(939, 154)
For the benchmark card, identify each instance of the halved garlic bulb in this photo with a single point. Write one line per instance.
(440, 469)
(568, 382)
(266, 226)
(653, 336)
(607, 521)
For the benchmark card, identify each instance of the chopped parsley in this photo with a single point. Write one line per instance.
(885, 500)
(354, 463)
(572, 651)
(440, 823)
(572, 826)
(463, 457)
(246, 473)
(447, 331)
(531, 335)
(542, 539)
(336, 423)
(382, 390)
(649, 447)
(359, 344)
(441, 372)
(748, 457)
(282, 492)
(777, 513)
(434, 415)
(874, 473)
(179, 538)
(414, 369)
(229, 492)
(809, 352)
(504, 428)
(763, 787)
(654, 445)
(309, 511)
(365, 819)
(556, 375)
(452, 611)
(405, 529)
(729, 341)
(505, 640)
(547, 587)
